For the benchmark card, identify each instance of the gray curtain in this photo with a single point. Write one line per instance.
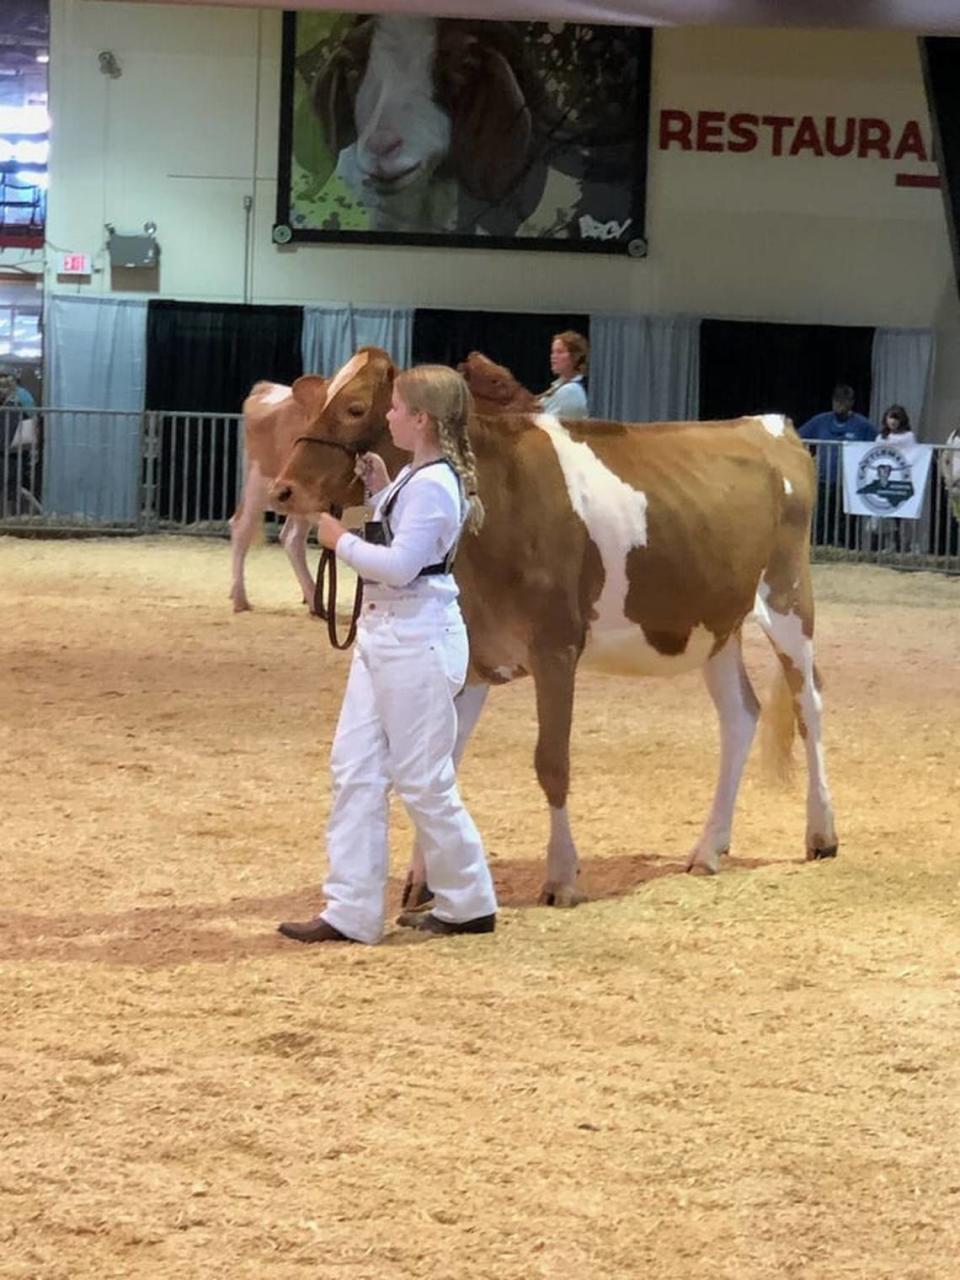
(96, 353)
(902, 373)
(644, 368)
(331, 335)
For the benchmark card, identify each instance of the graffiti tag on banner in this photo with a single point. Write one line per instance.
(884, 479)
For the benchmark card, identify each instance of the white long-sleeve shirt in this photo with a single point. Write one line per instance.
(425, 521)
(902, 438)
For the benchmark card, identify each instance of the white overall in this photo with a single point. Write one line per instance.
(398, 727)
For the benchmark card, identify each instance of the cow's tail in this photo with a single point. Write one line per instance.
(778, 726)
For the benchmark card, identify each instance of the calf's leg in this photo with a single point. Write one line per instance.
(244, 525)
(738, 711)
(293, 539)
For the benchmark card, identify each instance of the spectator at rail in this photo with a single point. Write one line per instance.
(20, 393)
(895, 429)
(18, 439)
(566, 396)
(833, 428)
(895, 426)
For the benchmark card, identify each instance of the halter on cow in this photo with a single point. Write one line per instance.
(637, 549)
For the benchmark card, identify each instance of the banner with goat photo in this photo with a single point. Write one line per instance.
(405, 129)
(885, 479)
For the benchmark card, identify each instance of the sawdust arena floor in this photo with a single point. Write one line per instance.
(752, 1075)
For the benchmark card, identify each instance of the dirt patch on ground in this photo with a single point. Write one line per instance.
(748, 1076)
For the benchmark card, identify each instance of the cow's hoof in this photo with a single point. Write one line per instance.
(701, 863)
(559, 896)
(817, 853)
(416, 895)
(242, 606)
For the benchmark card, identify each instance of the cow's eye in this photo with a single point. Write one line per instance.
(355, 410)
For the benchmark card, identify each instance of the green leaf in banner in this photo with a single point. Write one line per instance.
(309, 145)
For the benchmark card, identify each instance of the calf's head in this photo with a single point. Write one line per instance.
(346, 416)
(493, 386)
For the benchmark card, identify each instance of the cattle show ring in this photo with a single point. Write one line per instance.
(746, 1074)
(713, 1035)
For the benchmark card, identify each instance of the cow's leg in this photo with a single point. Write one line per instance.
(469, 703)
(553, 673)
(293, 539)
(244, 526)
(794, 648)
(738, 711)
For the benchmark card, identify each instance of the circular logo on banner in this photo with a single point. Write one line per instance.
(883, 479)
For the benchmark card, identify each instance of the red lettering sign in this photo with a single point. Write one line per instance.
(741, 131)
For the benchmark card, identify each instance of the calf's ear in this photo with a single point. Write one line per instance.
(310, 393)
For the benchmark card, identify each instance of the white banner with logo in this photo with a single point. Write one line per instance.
(884, 479)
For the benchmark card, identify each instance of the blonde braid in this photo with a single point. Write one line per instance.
(457, 450)
(442, 393)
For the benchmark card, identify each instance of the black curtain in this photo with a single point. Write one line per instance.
(940, 60)
(202, 359)
(519, 340)
(749, 367)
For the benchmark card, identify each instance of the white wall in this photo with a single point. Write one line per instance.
(190, 129)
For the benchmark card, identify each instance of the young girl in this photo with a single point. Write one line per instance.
(398, 722)
(895, 426)
(895, 429)
(566, 396)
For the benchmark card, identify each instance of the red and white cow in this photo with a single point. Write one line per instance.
(640, 550)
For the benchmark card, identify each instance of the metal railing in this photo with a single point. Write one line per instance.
(932, 541)
(99, 471)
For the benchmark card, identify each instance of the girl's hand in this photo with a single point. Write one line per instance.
(372, 470)
(329, 531)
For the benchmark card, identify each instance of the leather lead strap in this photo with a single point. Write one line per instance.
(326, 608)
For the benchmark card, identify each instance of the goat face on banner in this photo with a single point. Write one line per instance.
(420, 109)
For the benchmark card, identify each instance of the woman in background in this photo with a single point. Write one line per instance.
(566, 397)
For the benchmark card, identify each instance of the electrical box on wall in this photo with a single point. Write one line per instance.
(133, 250)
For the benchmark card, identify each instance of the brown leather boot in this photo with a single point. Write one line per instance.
(428, 923)
(315, 930)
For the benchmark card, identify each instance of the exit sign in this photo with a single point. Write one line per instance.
(74, 264)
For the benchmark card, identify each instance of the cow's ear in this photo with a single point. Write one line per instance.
(310, 393)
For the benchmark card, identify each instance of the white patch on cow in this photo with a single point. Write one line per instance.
(616, 518)
(346, 374)
(624, 651)
(505, 673)
(775, 423)
(787, 486)
(614, 513)
(275, 394)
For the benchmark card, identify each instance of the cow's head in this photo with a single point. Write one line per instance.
(493, 386)
(345, 416)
